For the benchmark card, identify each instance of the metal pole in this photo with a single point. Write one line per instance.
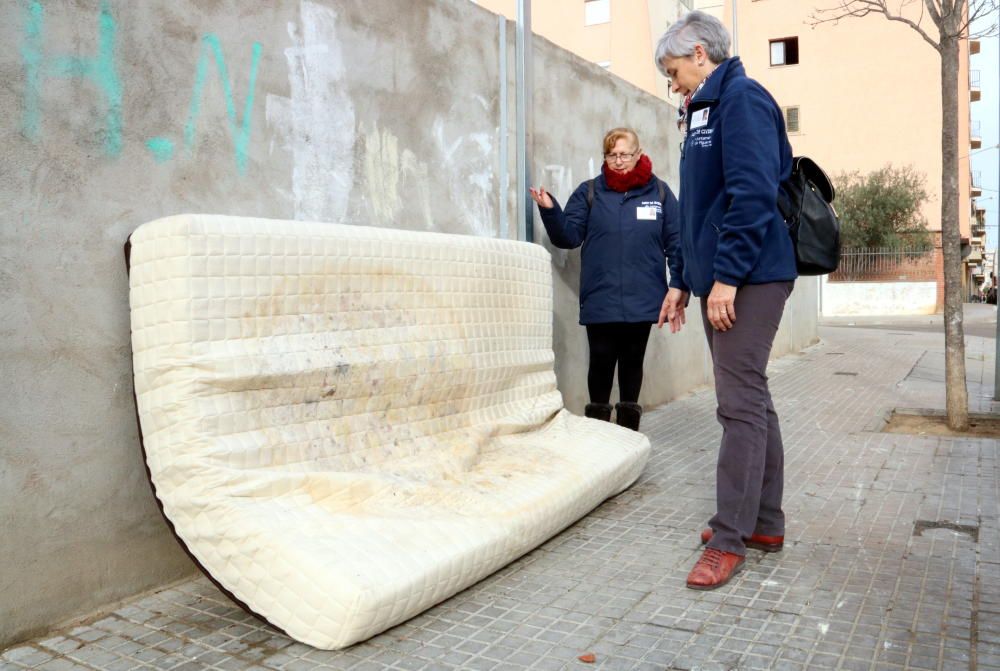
(504, 173)
(996, 255)
(736, 39)
(525, 213)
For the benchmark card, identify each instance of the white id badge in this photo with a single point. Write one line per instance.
(645, 213)
(699, 118)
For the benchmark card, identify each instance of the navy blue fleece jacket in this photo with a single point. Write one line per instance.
(623, 263)
(734, 157)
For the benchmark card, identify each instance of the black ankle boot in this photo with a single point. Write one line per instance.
(628, 415)
(600, 411)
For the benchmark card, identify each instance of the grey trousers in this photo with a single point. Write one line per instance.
(749, 479)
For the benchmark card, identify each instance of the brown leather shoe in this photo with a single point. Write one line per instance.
(714, 569)
(756, 541)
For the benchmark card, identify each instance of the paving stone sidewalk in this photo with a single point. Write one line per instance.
(890, 560)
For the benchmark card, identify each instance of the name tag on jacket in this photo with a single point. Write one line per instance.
(646, 213)
(699, 118)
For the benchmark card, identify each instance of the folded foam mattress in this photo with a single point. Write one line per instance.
(346, 425)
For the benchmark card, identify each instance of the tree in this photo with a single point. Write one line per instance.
(943, 24)
(882, 208)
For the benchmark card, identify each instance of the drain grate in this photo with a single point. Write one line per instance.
(920, 526)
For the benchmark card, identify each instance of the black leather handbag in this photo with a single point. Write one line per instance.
(805, 201)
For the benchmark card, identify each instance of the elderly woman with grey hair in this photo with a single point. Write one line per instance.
(737, 256)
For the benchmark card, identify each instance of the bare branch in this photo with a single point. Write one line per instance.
(916, 27)
(991, 31)
(943, 13)
(927, 38)
(965, 14)
(860, 8)
(948, 8)
(933, 11)
(979, 9)
(844, 9)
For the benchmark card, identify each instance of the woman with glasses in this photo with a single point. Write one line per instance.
(736, 254)
(626, 221)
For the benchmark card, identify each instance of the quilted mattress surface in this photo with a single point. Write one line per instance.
(346, 425)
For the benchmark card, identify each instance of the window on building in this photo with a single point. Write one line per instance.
(785, 51)
(792, 119)
(596, 11)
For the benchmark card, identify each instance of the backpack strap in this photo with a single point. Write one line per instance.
(785, 207)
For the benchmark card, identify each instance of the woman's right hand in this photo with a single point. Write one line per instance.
(541, 196)
(672, 310)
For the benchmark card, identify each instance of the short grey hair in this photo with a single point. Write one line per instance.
(693, 28)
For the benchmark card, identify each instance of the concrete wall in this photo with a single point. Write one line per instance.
(879, 298)
(113, 113)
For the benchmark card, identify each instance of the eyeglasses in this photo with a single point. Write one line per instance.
(611, 158)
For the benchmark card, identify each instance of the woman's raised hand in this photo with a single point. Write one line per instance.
(541, 196)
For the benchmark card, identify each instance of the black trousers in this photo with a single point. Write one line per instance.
(616, 343)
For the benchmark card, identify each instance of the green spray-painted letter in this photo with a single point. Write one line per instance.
(240, 130)
(100, 69)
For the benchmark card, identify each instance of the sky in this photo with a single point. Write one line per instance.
(987, 112)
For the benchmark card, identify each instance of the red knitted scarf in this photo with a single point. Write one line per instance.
(636, 177)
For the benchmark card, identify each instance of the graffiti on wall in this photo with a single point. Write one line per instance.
(468, 162)
(337, 162)
(162, 147)
(101, 71)
(335, 155)
(317, 122)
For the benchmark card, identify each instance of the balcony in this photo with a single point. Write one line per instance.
(978, 221)
(975, 135)
(974, 91)
(977, 227)
(977, 183)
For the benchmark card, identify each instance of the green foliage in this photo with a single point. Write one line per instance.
(882, 208)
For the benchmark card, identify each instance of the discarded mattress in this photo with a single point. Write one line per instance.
(346, 425)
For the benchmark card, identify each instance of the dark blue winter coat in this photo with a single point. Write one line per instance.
(623, 262)
(731, 166)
